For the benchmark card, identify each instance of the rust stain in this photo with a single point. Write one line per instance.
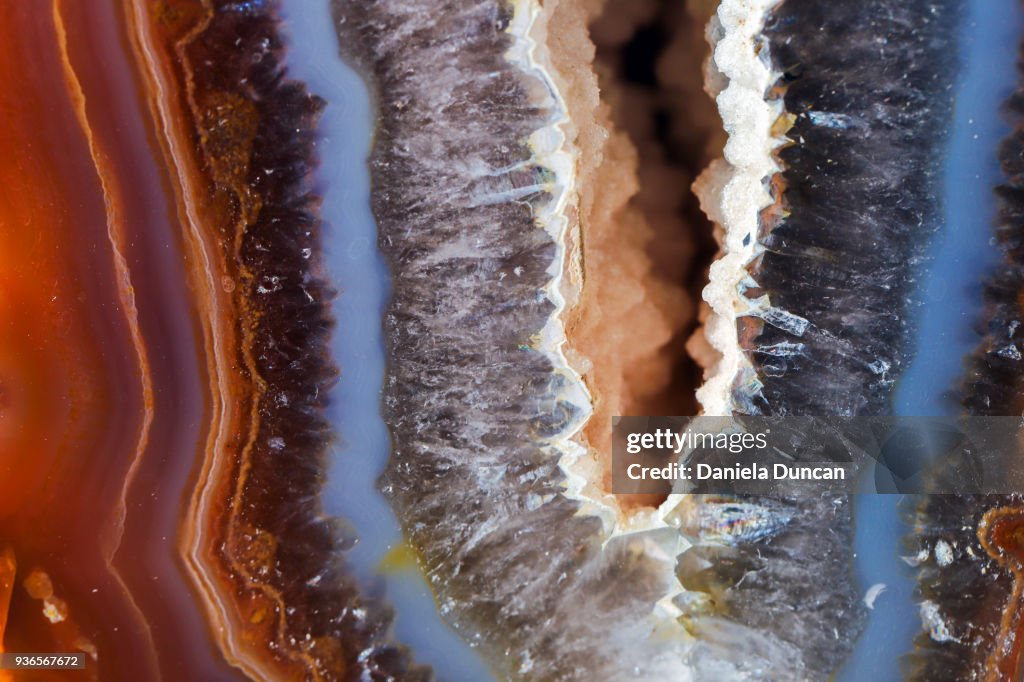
(1001, 532)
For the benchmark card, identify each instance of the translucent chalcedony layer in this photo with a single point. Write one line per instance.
(968, 561)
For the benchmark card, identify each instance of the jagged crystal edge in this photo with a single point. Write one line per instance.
(733, 190)
(661, 542)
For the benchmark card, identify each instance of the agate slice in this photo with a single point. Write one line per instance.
(316, 315)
